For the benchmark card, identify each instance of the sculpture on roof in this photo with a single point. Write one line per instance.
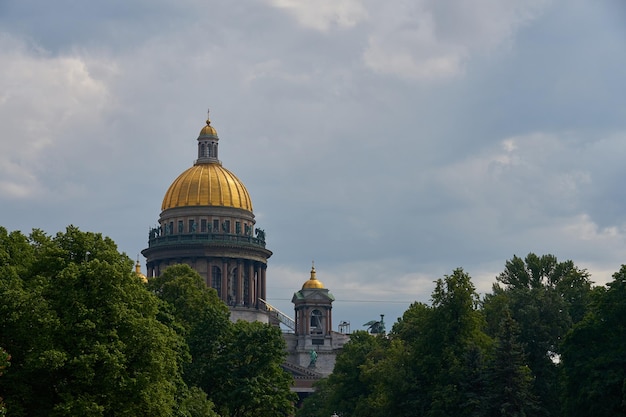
(376, 326)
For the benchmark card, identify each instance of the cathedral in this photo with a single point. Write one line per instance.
(207, 221)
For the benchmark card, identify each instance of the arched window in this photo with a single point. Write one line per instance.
(216, 283)
(316, 322)
(233, 287)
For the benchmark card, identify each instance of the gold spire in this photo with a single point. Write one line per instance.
(208, 130)
(313, 282)
(139, 273)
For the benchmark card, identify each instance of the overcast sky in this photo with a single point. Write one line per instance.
(389, 141)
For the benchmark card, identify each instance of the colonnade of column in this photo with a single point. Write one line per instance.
(241, 274)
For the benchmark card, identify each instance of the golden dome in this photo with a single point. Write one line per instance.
(207, 185)
(139, 273)
(313, 282)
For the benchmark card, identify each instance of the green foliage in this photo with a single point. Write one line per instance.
(509, 390)
(349, 390)
(499, 357)
(238, 365)
(5, 362)
(249, 380)
(594, 355)
(318, 403)
(430, 365)
(82, 330)
(195, 403)
(544, 297)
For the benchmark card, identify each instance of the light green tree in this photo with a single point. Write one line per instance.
(82, 330)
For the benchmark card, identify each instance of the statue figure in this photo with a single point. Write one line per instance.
(375, 326)
(193, 227)
(260, 234)
(313, 355)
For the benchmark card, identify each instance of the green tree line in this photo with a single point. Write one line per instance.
(544, 342)
(82, 335)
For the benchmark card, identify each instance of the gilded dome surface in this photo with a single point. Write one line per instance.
(312, 282)
(208, 130)
(207, 185)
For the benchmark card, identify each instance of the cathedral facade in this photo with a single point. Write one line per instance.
(207, 221)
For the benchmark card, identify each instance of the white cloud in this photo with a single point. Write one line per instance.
(43, 99)
(426, 40)
(324, 15)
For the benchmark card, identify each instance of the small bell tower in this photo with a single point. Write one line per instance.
(316, 344)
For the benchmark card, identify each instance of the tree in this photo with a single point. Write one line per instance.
(509, 379)
(594, 355)
(237, 365)
(349, 390)
(425, 369)
(545, 297)
(456, 329)
(82, 330)
(199, 316)
(251, 380)
(5, 362)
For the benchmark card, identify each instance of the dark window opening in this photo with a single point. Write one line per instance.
(216, 281)
(316, 322)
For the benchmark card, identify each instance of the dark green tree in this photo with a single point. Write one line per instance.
(317, 404)
(425, 371)
(199, 316)
(251, 380)
(236, 364)
(349, 390)
(545, 297)
(5, 362)
(457, 329)
(594, 355)
(82, 330)
(509, 392)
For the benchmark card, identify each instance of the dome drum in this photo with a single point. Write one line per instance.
(207, 240)
(193, 251)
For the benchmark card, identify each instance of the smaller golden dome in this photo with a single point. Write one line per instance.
(313, 282)
(208, 130)
(138, 272)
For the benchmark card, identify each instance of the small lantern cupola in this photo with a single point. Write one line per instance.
(207, 144)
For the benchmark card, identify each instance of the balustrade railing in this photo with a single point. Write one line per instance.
(204, 237)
